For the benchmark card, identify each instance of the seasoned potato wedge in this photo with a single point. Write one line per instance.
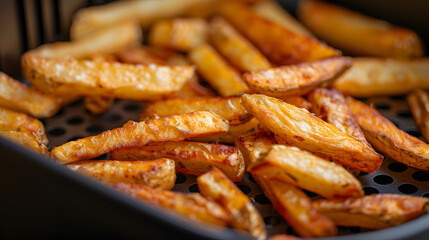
(105, 41)
(191, 205)
(298, 127)
(254, 145)
(26, 139)
(18, 96)
(358, 34)
(179, 33)
(217, 72)
(272, 11)
(375, 211)
(389, 139)
(297, 101)
(237, 49)
(296, 207)
(279, 44)
(20, 122)
(191, 157)
(98, 105)
(229, 108)
(305, 170)
(297, 79)
(104, 79)
(135, 134)
(158, 174)
(380, 76)
(214, 185)
(418, 101)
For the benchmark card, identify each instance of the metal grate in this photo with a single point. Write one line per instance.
(75, 122)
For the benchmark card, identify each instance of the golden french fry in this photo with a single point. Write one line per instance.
(375, 211)
(298, 127)
(191, 205)
(389, 139)
(216, 186)
(418, 101)
(356, 33)
(217, 72)
(297, 101)
(254, 145)
(158, 174)
(19, 97)
(104, 79)
(179, 33)
(26, 139)
(297, 79)
(229, 108)
(237, 49)
(298, 210)
(381, 76)
(191, 157)
(135, 134)
(279, 44)
(98, 105)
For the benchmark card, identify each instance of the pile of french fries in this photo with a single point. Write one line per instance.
(233, 87)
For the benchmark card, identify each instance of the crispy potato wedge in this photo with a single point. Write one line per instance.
(237, 49)
(375, 211)
(229, 108)
(20, 122)
(158, 174)
(389, 139)
(297, 101)
(179, 33)
(255, 144)
(217, 72)
(104, 41)
(191, 157)
(272, 11)
(279, 44)
(380, 76)
(104, 79)
(307, 171)
(418, 101)
(342, 27)
(214, 185)
(97, 105)
(19, 97)
(298, 127)
(136, 134)
(296, 208)
(26, 139)
(297, 79)
(190, 205)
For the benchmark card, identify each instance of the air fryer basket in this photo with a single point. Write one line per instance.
(92, 200)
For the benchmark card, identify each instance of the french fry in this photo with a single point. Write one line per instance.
(389, 139)
(279, 44)
(272, 11)
(19, 97)
(379, 76)
(216, 186)
(297, 79)
(26, 139)
(296, 207)
(217, 72)
(418, 101)
(20, 122)
(104, 79)
(237, 49)
(229, 108)
(191, 205)
(375, 211)
(254, 145)
(158, 174)
(307, 171)
(298, 127)
(135, 134)
(98, 105)
(297, 101)
(191, 157)
(342, 27)
(179, 33)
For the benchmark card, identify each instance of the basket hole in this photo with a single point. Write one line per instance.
(262, 199)
(180, 178)
(272, 221)
(245, 189)
(94, 129)
(382, 106)
(310, 194)
(421, 176)
(397, 167)
(57, 132)
(398, 97)
(75, 120)
(113, 117)
(414, 133)
(407, 188)
(383, 179)
(101, 157)
(370, 190)
(132, 107)
(426, 195)
(74, 138)
(355, 229)
(404, 113)
(194, 188)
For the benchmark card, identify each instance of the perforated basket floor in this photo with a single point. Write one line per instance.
(75, 122)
